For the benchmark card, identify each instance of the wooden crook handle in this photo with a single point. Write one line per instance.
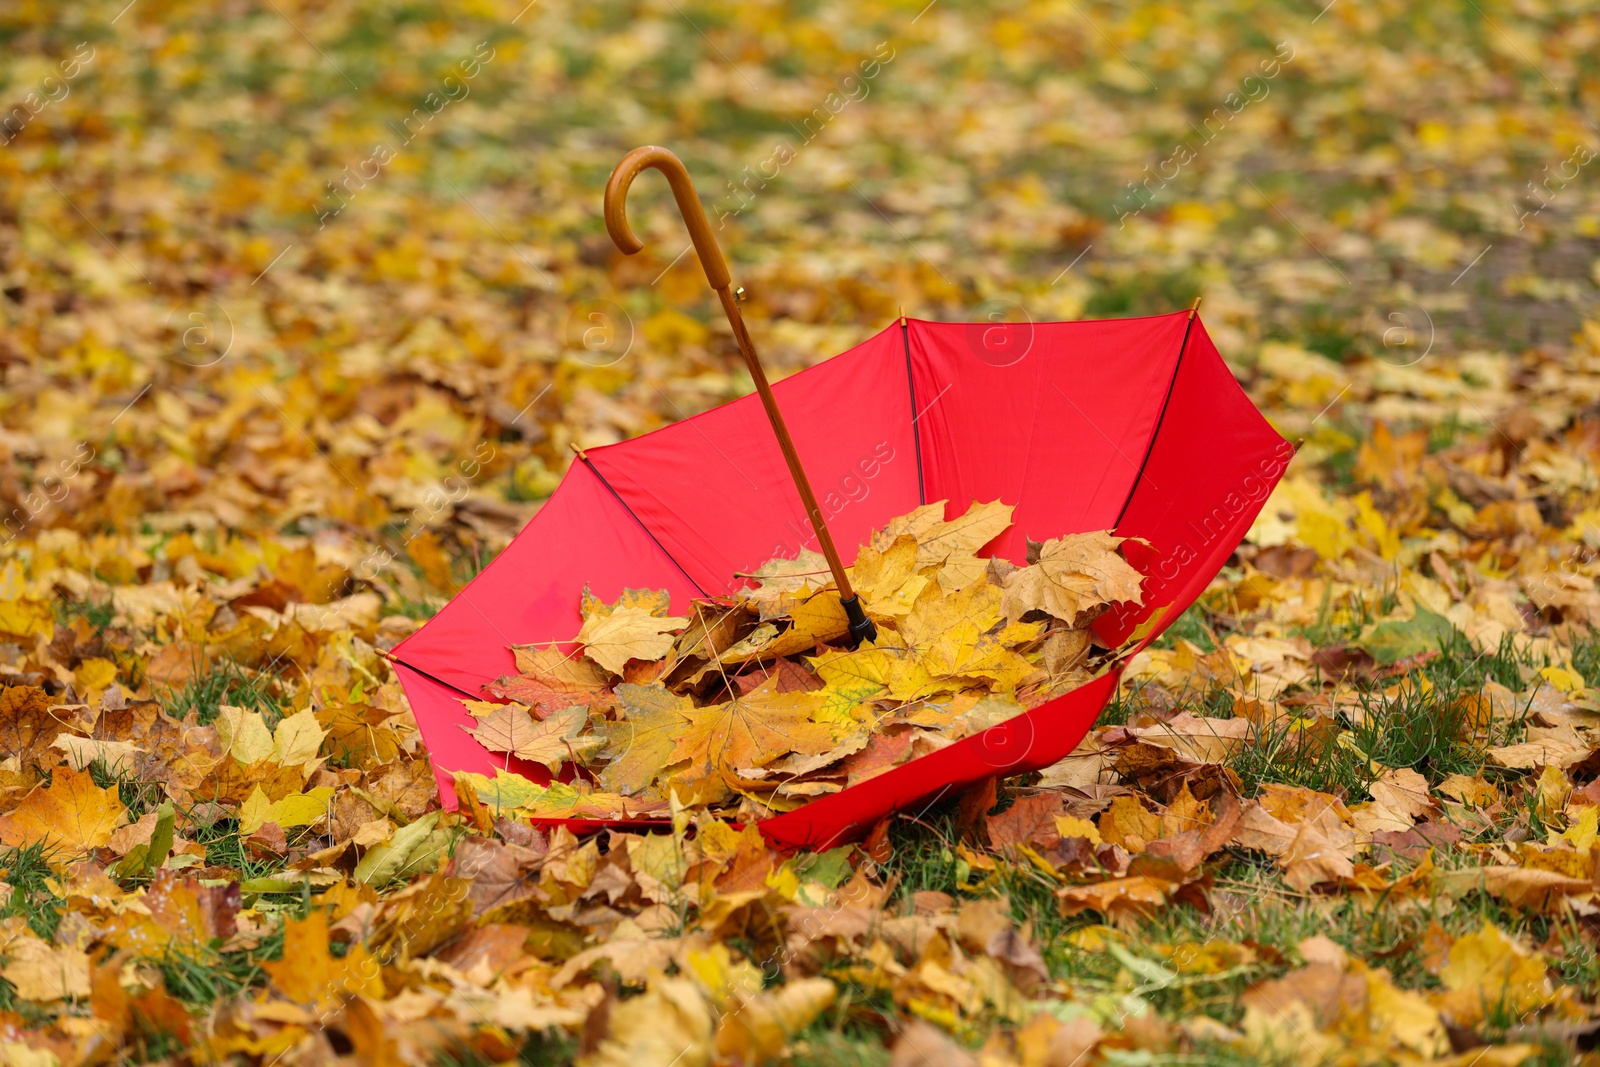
(694, 216)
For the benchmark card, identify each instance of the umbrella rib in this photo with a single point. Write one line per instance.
(433, 678)
(916, 435)
(587, 462)
(1160, 417)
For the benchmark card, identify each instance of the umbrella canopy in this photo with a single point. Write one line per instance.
(1135, 425)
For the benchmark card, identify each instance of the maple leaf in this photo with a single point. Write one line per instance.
(1074, 575)
(749, 731)
(614, 638)
(550, 680)
(916, 524)
(951, 632)
(1485, 968)
(41, 972)
(297, 740)
(71, 813)
(307, 973)
(506, 791)
(550, 742)
(762, 1023)
(650, 601)
(888, 580)
(639, 747)
(244, 734)
(1122, 900)
(783, 579)
(963, 536)
(894, 671)
(28, 724)
(816, 621)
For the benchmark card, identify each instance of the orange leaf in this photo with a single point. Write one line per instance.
(71, 813)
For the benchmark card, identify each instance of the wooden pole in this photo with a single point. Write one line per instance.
(716, 268)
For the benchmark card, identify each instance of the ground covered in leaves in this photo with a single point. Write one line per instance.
(303, 304)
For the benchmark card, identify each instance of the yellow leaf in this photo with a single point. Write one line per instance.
(302, 809)
(1128, 823)
(118, 756)
(1563, 678)
(638, 748)
(41, 972)
(1585, 832)
(26, 616)
(766, 1021)
(791, 578)
(1402, 790)
(625, 634)
(726, 980)
(505, 791)
(244, 734)
(255, 810)
(1077, 574)
(94, 674)
(71, 813)
(669, 1023)
(1406, 1017)
(817, 620)
(1385, 540)
(749, 731)
(308, 974)
(297, 739)
(1486, 968)
(430, 557)
(896, 671)
(550, 742)
(1551, 792)
(1072, 826)
(888, 581)
(652, 601)
(963, 536)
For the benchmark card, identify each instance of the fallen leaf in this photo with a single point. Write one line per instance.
(71, 813)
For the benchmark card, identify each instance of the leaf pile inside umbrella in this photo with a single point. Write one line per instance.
(751, 703)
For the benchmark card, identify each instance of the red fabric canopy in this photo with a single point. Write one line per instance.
(1135, 425)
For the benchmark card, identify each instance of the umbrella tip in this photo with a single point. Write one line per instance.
(1194, 309)
(902, 314)
(580, 452)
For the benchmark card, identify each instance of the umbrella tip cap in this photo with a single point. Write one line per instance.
(1194, 308)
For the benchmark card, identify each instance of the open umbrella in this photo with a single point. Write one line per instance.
(1135, 425)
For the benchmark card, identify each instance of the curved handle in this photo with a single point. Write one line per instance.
(694, 216)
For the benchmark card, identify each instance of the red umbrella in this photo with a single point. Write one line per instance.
(1135, 425)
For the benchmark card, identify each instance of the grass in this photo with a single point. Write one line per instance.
(1190, 626)
(833, 1043)
(200, 979)
(26, 871)
(224, 681)
(1425, 724)
(97, 613)
(543, 1048)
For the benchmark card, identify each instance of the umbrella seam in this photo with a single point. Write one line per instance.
(587, 462)
(916, 434)
(1150, 448)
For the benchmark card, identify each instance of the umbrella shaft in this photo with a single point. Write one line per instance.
(730, 305)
